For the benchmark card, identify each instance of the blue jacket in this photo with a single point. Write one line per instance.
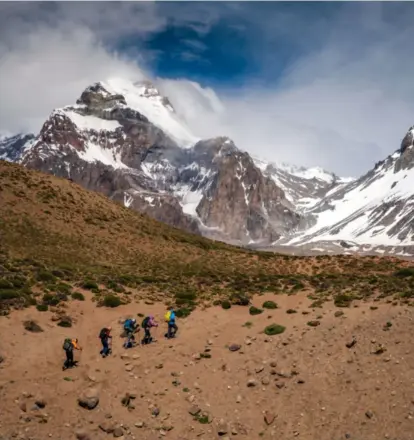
(172, 318)
(129, 325)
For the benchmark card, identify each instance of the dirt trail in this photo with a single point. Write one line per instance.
(334, 392)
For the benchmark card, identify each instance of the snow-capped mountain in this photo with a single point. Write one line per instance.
(125, 140)
(374, 212)
(13, 147)
(303, 187)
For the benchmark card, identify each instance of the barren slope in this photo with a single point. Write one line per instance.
(311, 385)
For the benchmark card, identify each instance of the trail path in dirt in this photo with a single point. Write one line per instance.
(310, 384)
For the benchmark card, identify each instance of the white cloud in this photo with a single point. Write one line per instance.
(343, 105)
(49, 69)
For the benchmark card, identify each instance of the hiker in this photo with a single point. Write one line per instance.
(130, 327)
(172, 326)
(105, 336)
(69, 345)
(147, 323)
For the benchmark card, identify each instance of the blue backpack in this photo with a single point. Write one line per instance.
(128, 324)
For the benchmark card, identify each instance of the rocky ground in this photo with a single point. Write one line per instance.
(334, 373)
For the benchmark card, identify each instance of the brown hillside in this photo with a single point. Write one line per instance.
(330, 360)
(52, 229)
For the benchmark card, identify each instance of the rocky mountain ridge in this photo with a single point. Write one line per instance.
(126, 141)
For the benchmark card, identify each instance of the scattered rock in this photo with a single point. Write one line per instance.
(259, 369)
(369, 414)
(129, 368)
(251, 383)
(1, 359)
(81, 434)
(139, 424)
(127, 400)
(156, 412)
(41, 403)
(23, 406)
(125, 356)
(265, 381)
(118, 432)
(314, 323)
(379, 350)
(222, 428)
(107, 426)
(280, 385)
(351, 343)
(238, 399)
(269, 418)
(234, 347)
(194, 410)
(338, 313)
(89, 399)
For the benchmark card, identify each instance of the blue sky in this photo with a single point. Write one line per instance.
(327, 83)
(236, 48)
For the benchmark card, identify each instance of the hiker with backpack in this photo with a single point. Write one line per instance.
(105, 336)
(130, 327)
(69, 345)
(147, 323)
(172, 326)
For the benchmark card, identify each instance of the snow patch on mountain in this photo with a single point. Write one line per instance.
(87, 122)
(376, 209)
(145, 99)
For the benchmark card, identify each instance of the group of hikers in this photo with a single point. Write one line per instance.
(130, 327)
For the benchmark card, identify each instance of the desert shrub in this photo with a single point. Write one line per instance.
(50, 299)
(78, 296)
(240, 299)
(274, 329)
(225, 305)
(42, 307)
(45, 275)
(5, 284)
(89, 285)
(65, 321)
(255, 311)
(32, 326)
(405, 272)
(111, 301)
(183, 312)
(291, 311)
(9, 294)
(269, 305)
(343, 300)
(63, 288)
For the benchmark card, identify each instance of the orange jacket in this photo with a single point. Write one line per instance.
(75, 344)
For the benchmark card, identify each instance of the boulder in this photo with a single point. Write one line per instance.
(89, 399)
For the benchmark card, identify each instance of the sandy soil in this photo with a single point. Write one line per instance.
(334, 392)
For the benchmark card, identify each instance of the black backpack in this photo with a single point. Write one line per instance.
(103, 333)
(67, 345)
(145, 322)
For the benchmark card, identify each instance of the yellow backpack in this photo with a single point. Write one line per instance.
(167, 316)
